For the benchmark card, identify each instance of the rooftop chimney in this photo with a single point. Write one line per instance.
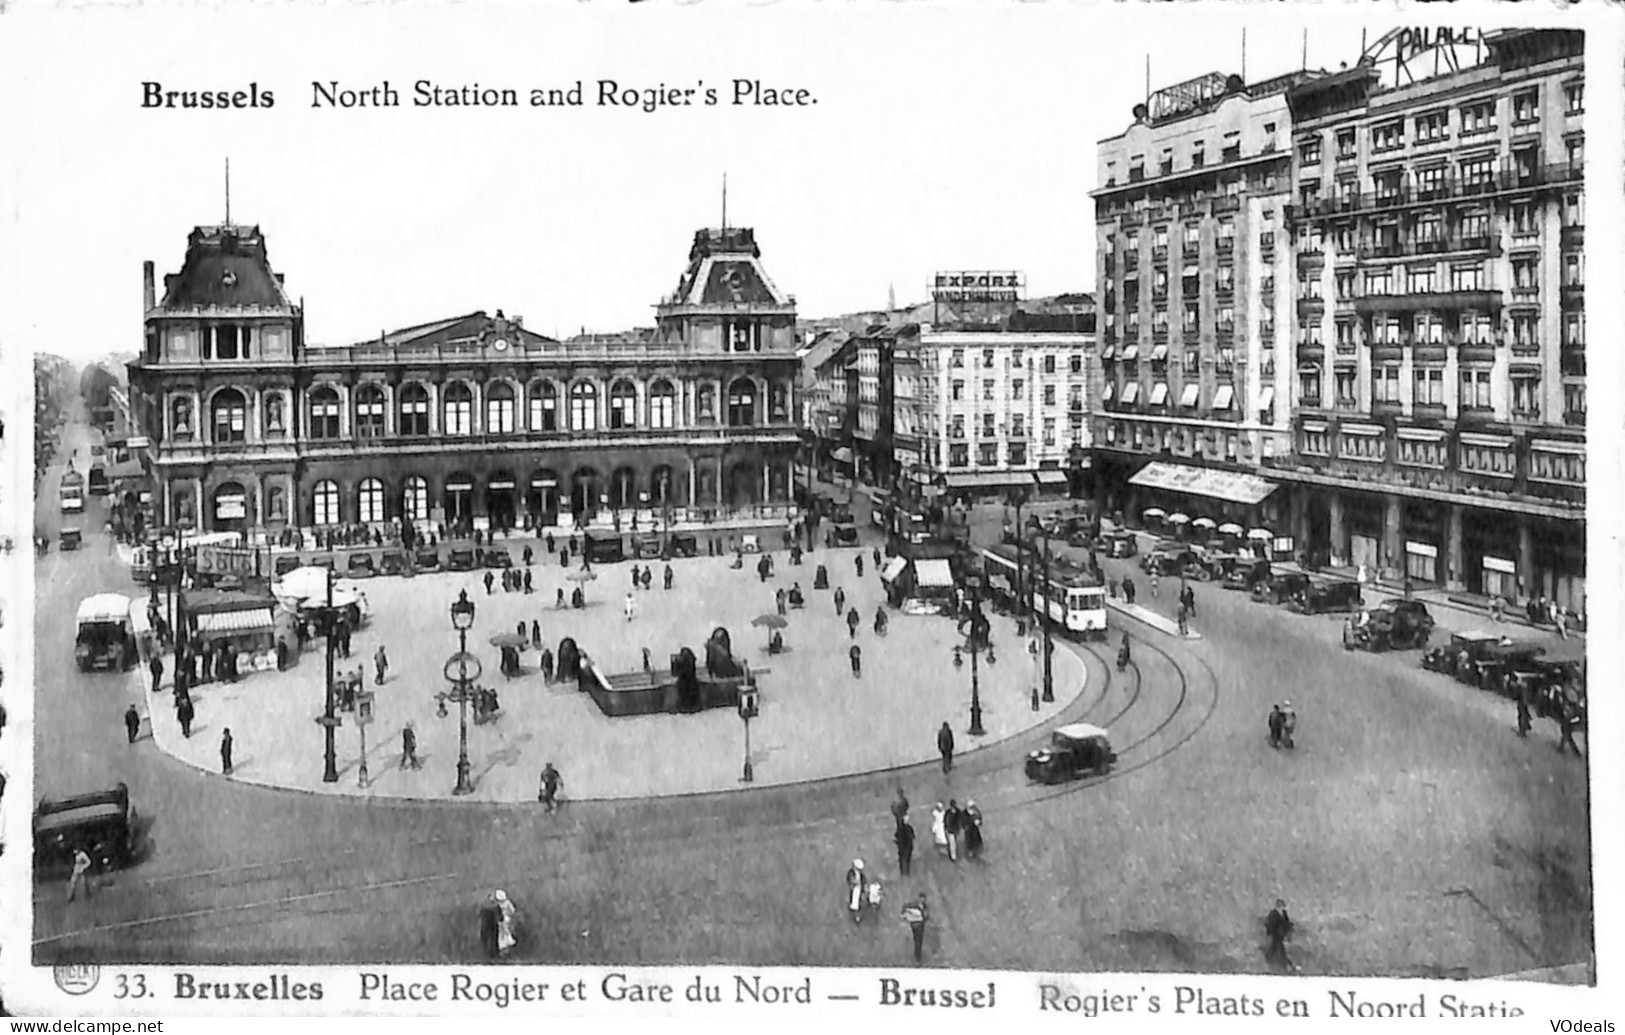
(148, 291)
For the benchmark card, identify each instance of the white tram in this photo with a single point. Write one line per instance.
(1067, 595)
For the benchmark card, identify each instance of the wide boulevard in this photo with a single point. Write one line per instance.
(1411, 832)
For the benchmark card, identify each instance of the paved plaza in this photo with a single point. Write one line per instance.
(817, 719)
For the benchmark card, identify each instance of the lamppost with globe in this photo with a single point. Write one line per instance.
(976, 630)
(462, 669)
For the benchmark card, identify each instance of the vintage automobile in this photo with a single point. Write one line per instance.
(1493, 669)
(603, 549)
(841, 533)
(1322, 595)
(1120, 543)
(496, 557)
(1188, 561)
(360, 566)
(1284, 585)
(462, 558)
(425, 558)
(324, 561)
(1081, 539)
(102, 823)
(647, 546)
(683, 545)
(1551, 678)
(1075, 750)
(1247, 572)
(286, 563)
(1394, 624)
(1445, 657)
(71, 539)
(394, 562)
(103, 633)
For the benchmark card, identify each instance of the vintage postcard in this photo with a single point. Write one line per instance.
(808, 511)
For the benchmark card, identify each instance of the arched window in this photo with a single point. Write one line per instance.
(583, 406)
(459, 410)
(324, 500)
(369, 412)
(662, 405)
(623, 405)
(742, 403)
(499, 406)
(230, 416)
(660, 485)
(415, 499)
(369, 498)
(623, 488)
(544, 406)
(180, 418)
(414, 410)
(324, 414)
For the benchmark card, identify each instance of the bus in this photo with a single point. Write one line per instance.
(1067, 595)
(73, 492)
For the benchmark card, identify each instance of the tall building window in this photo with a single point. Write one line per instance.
(1429, 386)
(1525, 333)
(1422, 280)
(958, 359)
(662, 405)
(1574, 98)
(1526, 395)
(1076, 363)
(1388, 136)
(499, 408)
(369, 497)
(988, 454)
(1525, 273)
(1385, 384)
(1573, 270)
(988, 430)
(1049, 364)
(1432, 126)
(1017, 388)
(414, 410)
(369, 412)
(1309, 386)
(1309, 151)
(324, 500)
(1475, 389)
(987, 389)
(459, 410)
(957, 391)
(583, 406)
(415, 499)
(324, 413)
(1466, 278)
(742, 403)
(623, 406)
(544, 406)
(1526, 106)
(1477, 117)
(1523, 219)
(1347, 387)
(1049, 395)
(1049, 431)
(230, 416)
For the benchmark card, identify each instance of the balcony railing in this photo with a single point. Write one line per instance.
(1451, 188)
(1484, 301)
(1435, 246)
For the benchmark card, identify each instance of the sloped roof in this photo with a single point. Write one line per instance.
(724, 268)
(225, 266)
(475, 326)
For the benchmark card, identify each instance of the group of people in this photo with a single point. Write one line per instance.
(957, 831)
(514, 580)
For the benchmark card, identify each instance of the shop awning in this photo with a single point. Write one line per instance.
(1052, 477)
(894, 567)
(842, 455)
(1159, 353)
(256, 619)
(1131, 392)
(1230, 486)
(933, 572)
(1266, 400)
(1107, 392)
(1188, 394)
(1159, 393)
(1224, 397)
(1131, 353)
(1109, 352)
(982, 479)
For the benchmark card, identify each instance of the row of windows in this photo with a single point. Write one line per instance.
(229, 408)
(1473, 118)
(989, 358)
(1018, 391)
(1427, 384)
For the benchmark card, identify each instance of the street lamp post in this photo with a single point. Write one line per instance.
(330, 721)
(462, 619)
(1049, 647)
(975, 628)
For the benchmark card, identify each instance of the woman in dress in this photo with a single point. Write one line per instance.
(505, 922)
(939, 829)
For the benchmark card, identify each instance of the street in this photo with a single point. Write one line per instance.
(1411, 832)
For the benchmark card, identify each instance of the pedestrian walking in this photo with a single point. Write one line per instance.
(225, 751)
(648, 578)
(1278, 926)
(1187, 596)
(1184, 620)
(550, 548)
(1277, 726)
(953, 824)
(840, 601)
(1569, 719)
(535, 633)
(856, 884)
(184, 714)
(905, 846)
(876, 556)
(1111, 588)
(859, 562)
(899, 806)
(529, 556)
(380, 660)
(631, 607)
(1497, 609)
(80, 877)
(1155, 580)
(939, 829)
(1128, 589)
(552, 783)
(945, 746)
(530, 586)
(489, 580)
(558, 602)
(409, 747)
(852, 623)
(1561, 620)
(547, 665)
(916, 915)
(971, 825)
(856, 654)
(156, 667)
(132, 722)
(636, 576)
(668, 577)
(1524, 721)
(779, 598)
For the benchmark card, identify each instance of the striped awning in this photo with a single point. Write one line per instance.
(933, 572)
(256, 619)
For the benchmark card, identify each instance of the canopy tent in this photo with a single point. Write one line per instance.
(1229, 528)
(933, 573)
(1229, 486)
(223, 623)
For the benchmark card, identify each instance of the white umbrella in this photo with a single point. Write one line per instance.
(303, 583)
(1153, 512)
(1260, 533)
(1230, 528)
(1179, 519)
(1203, 522)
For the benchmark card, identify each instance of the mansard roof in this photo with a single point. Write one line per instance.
(226, 267)
(475, 327)
(725, 268)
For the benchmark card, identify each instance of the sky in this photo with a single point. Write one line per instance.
(943, 137)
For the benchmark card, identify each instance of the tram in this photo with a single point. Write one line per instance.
(1067, 595)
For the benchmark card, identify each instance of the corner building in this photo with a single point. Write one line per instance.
(470, 419)
(1439, 400)
(1194, 266)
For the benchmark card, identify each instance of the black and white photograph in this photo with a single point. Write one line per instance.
(884, 511)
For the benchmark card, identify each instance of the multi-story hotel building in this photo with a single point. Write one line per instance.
(1194, 275)
(1439, 213)
(472, 419)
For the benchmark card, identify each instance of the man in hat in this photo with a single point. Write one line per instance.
(945, 746)
(409, 747)
(1278, 926)
(132, 722)
(915, 915)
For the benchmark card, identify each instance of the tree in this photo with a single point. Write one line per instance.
(94, 384)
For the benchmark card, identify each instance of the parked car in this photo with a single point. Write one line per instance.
(1247, 572)
(1120, 543)
(426, 558)
(360, 566)
(1324, 595)
(1284, 585)
(1394, 624)
(461, 558)
(647, 546)
(102, 823)
(286, 563)
(1446, 657)
(394, 562)
(841, 533)
(1493, 669)
(496, 557)
(1551, 678)
(1079, 749)
(71, 539)
(1178, 560)
(683, 545)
